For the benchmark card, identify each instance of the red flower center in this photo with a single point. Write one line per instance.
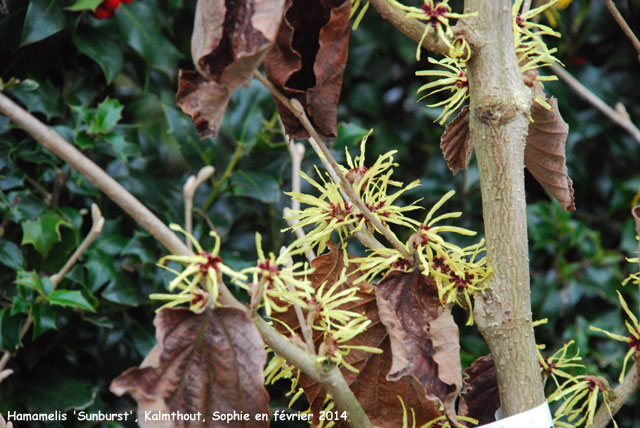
(434, 12)
(210, 263)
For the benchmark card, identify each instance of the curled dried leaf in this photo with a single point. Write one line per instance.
(456, 142)
(480, 398)
(230, 40)
(202, 363)
(308, 61)
(424, 336)
(376, 394)
(544, 154)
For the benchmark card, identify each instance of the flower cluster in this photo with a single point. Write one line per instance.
(580, 403)
(436, 15)
(277, 282)
(632, 341)
(556, 364)
(531, 50)
(198, 283)
(458, 272)
(330, 211)
(452, 78)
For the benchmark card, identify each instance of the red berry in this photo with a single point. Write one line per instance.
(102, 12)
(111, 4)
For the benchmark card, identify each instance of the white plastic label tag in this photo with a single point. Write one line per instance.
(538, 417)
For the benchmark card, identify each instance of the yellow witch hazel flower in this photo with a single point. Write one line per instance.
(277, 281)
(633, 341)
(555, 365)
(580, 403)
(531, 50)
(355, 4)
(452, 78)
(436, 15)
(204, 267)
(329, 212)
(338, 326)
(458, 272)
(372, 185)
(634, 278)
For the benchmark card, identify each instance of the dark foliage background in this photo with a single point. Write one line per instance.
(109, 85)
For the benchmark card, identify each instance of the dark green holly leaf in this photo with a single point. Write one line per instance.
(84, 5)
(19, 305)
(143, 337)
(10, 254)
(27, 206)
(44, 18)
(121, 147)
(257, 185)
(46, 100)
(44, 232)
(10, 327)
(141, 27)
(69, 298)
(349, 134)
(69, 393)
(140, 247)
(107, 115)
(44, 319)
(30, 280)
(98, 46)
(123, 291)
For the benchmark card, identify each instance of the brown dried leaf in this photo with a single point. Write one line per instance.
(424, 336)
(308, 61)
(544, 154)
(480, 398)
(202, 363)
(376, 394)
(230, 39)
(456, 142)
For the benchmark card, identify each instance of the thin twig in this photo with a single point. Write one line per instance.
(114, 190)
(622, 120)
(96, 228)
(623, 25)
(215, 192)
(189, 190)
(332, 381)
(333, 168)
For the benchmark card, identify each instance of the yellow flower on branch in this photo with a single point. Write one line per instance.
(453, 79)
(199, 282)
(632, 341)
(581, 400)
(634, 278)
(531, 50)
(555, 365)
(277, 281)
(436, 15)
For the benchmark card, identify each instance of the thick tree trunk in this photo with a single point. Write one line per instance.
(498, 122)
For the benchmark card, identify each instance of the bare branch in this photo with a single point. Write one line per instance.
(623, 25)
(67, 152)
(96, 228)
(189, 190)
(621, 119)
(331, 379)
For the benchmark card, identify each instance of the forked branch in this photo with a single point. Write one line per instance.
(330, 379)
